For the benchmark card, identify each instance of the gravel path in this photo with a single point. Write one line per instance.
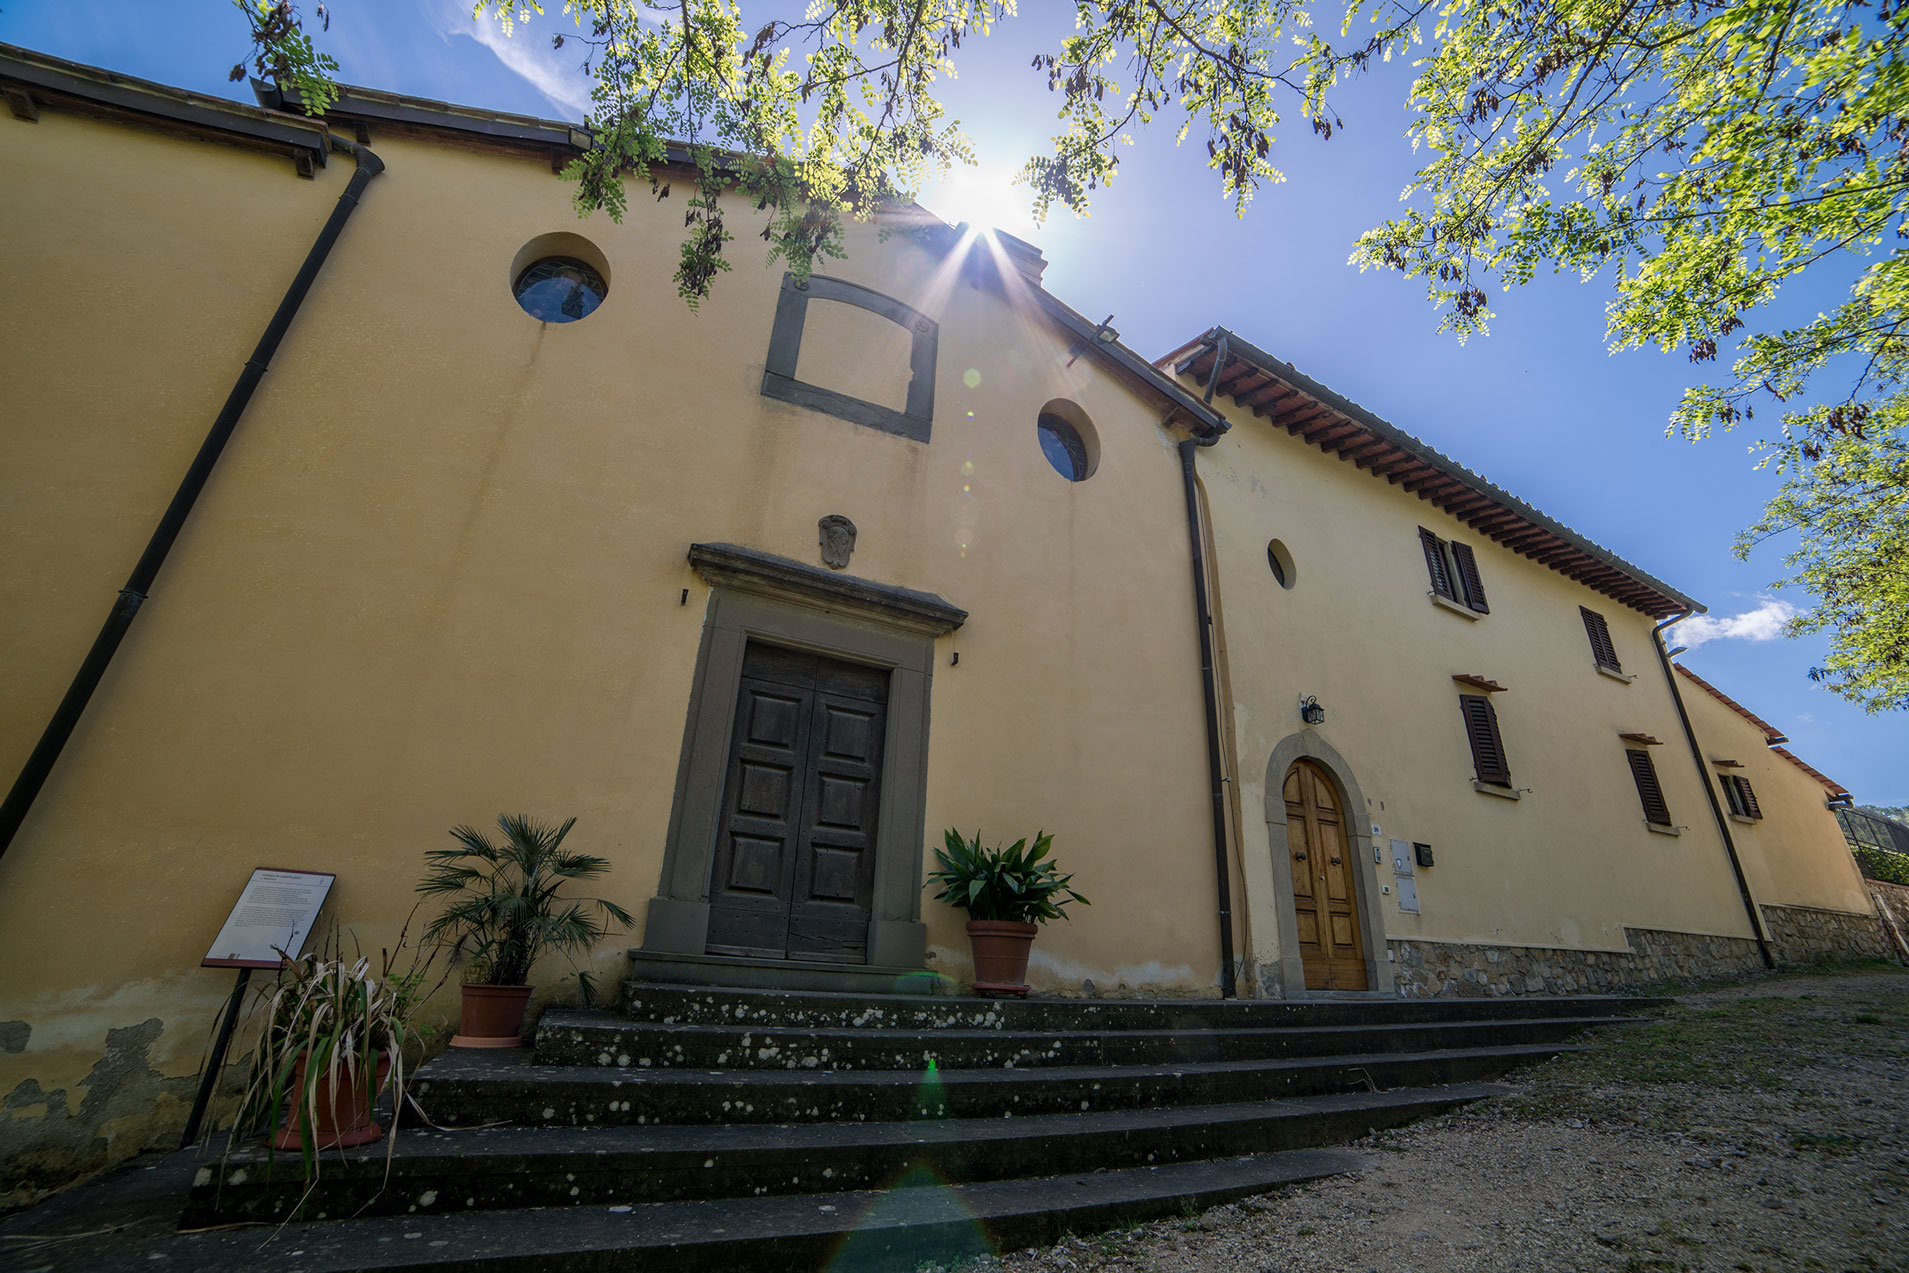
(1760, 1127)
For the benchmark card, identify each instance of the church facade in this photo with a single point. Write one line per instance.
(766, 596)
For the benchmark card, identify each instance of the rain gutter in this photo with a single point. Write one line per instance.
(1710, 790)
(33, 775)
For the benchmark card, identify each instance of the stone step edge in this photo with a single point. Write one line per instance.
(434, 1149)
(786, 1233)
(596, 1022)
(1231, 1007)
(491, 1072)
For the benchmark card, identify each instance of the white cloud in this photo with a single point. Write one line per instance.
(1765, 623)
(526, 52)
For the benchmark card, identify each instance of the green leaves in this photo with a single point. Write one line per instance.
(505, 913)
(1013, 884)
(1847, 498)
(350, 1025)
(1707, 156)
(282, 51)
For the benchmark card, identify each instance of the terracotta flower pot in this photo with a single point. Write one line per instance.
(1000, 955)
(343, 1117)
(492, 1017)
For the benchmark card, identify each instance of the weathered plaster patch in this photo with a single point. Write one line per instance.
(14, 1036)
(47, 1143)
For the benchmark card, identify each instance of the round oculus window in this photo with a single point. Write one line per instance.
(560, 289)
(1062, 445)
(1281, 562)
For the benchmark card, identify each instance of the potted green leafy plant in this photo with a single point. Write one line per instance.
(1008, 893)
(505, 914)
(332, 1036)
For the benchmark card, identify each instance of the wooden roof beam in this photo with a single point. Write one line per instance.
(1273, 388)
(1425, 477)
(1244, 385)
(1307, 418)
(1361, 451)
(1412, 470)
(1333, 434)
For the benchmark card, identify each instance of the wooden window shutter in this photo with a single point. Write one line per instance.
(1600, 633)
(1749, 797)
(1435, 563)
(1655, 810)
(1468, 575)
(1732, 796)
(1488, 749)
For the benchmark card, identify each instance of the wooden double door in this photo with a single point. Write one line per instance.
(794, 869)
(1325, 892)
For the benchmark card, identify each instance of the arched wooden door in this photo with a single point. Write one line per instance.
(1325, 896)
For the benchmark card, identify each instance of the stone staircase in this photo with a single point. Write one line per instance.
(746, 1129)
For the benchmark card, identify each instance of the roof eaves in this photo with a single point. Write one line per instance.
(1210, 423)
(1829, 784)
(29, 79)
(362, 105)
(1240, 347)
(1771, 734)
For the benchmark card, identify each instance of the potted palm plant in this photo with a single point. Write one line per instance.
(505, 914)
(1008, 893)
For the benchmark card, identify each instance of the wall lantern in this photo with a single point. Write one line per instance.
(1310, 711)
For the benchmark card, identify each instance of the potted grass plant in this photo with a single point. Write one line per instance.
(505, 912)
(1008, 893)
(333, 1035)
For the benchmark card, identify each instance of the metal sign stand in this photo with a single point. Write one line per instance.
(215, 1065)
(267, 927)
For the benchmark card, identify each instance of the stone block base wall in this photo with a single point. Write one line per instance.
(1424, 969)
(1892, 905)
(1806, 935)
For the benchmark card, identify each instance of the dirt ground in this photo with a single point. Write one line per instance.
(1757, 1127)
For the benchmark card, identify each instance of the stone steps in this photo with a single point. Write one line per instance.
(441, 1172)
(793, 1130)
(864, 1231)
(814, 1009)
(589, 1038)
(479, 1088)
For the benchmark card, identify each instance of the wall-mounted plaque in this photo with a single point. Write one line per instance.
(275, 913)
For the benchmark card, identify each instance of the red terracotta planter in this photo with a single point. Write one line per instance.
(1000, 955)
(343, 1116)
(492, 1017)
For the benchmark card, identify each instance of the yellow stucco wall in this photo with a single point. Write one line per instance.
(1795, 855)
(437, 573)
(1571, 863)
(440, 573)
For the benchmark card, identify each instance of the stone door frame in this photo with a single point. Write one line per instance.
(1356, 816)
(758, 596)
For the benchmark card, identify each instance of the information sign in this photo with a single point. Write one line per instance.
(275, 913)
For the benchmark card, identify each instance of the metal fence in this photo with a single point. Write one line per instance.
(1880, 845)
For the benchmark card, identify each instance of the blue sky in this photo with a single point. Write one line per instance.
(1538, 406)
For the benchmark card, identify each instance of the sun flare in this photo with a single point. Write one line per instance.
(985, 198)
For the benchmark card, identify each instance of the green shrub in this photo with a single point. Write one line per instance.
(1012, 884)
(1891, 868)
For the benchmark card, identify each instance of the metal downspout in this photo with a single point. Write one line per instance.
(1209, 681)
(39, 764)
(1710, 789)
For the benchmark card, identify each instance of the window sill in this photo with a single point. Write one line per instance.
(1493, 789)
(1446, 603)
(1744, 818)
(1661, 829)
(1616, 676)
